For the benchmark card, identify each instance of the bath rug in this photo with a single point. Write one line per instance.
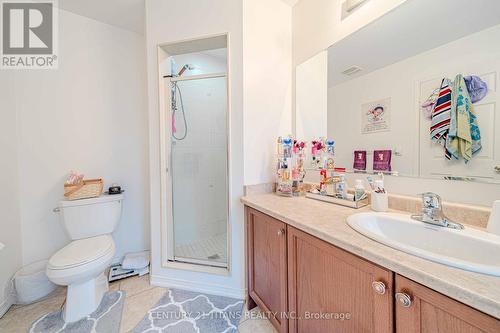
(181, 311)
(106, 319)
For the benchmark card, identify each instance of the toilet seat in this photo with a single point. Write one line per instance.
(81, 252)
(81, 260)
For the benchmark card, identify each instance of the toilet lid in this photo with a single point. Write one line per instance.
(81, 251)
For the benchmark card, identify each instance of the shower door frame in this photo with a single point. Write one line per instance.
(170, 218)
(166, 189)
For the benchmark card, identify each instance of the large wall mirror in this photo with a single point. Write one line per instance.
(420, 82)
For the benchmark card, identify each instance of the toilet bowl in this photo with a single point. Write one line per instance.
(80, 265)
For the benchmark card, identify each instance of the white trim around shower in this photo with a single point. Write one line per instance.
(167, 227)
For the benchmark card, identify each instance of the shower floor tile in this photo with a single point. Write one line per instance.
(213, 248)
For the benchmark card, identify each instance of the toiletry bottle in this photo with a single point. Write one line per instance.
(287, 148)
(280, 146)
(313, 154)
(359, 190)
(330, 147)
(341, 188)
(494, 221)
(328, 157)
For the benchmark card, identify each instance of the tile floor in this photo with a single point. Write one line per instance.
(141, 296)
(205, 249)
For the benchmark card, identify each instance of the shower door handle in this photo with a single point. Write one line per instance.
(169, 163)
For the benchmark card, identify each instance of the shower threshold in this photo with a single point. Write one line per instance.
(200, 262)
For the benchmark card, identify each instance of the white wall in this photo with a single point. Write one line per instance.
(171, 21)
(204, 62)
(10, 222)
(401, 82)
(260, 102)
(88, 115)
(317, 24)
(267, 89)
(311, 97)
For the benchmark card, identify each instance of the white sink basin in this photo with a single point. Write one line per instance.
(468, 249)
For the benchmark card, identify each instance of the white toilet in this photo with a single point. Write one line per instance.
(80, 265)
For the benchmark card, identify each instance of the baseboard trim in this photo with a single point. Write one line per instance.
(213, 289)
(6, 304)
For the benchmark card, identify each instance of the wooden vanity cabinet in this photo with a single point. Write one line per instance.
(324, 289)
(423, 310)
(267, 266)
(323, 279)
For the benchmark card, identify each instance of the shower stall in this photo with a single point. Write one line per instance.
(195, 157)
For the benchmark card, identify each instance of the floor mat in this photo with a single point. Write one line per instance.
(186, 311)
(106, 319)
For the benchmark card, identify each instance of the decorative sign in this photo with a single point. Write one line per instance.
(376, 116)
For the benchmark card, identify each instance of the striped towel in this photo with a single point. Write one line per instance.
(440, 117)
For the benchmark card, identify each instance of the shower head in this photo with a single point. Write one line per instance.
(185, 68)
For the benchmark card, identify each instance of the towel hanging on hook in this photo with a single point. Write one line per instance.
(476, 88)
(430, 103)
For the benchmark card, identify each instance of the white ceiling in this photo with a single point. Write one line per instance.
(126, 14)
(412, 28)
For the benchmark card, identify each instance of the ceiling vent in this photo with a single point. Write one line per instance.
(352, 70)
(352, 4)
(350, 7)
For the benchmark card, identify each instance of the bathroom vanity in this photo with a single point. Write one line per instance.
(304, 261)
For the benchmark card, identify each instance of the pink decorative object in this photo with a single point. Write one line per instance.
(174, 130)
(359, 160)
(382, 160)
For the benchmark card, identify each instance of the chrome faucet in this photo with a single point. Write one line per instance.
(432, 212)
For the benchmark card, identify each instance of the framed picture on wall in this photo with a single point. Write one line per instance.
(376, 116)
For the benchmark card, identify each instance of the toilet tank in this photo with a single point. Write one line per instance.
(91, 217)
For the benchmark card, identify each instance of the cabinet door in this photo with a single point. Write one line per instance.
(267, 282)
(331, 290)
(422, 310)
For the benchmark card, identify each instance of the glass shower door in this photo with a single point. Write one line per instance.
(199, 172)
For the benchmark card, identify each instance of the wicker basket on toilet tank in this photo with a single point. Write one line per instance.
(90, 188)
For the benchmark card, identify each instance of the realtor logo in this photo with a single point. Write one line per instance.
(29, 36)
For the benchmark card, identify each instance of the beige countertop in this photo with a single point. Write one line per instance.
(328, 222)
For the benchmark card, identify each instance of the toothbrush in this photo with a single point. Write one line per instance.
(370, 182)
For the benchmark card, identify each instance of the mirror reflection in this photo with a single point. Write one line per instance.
(422, 103)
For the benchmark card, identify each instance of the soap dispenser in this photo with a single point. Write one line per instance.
(494, 221)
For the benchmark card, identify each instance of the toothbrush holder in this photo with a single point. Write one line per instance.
(379, 202)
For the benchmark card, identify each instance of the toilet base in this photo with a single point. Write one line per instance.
(83, 298)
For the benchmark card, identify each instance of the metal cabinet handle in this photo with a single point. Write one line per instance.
(281, 232)
(379, 287)
(403, 299)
